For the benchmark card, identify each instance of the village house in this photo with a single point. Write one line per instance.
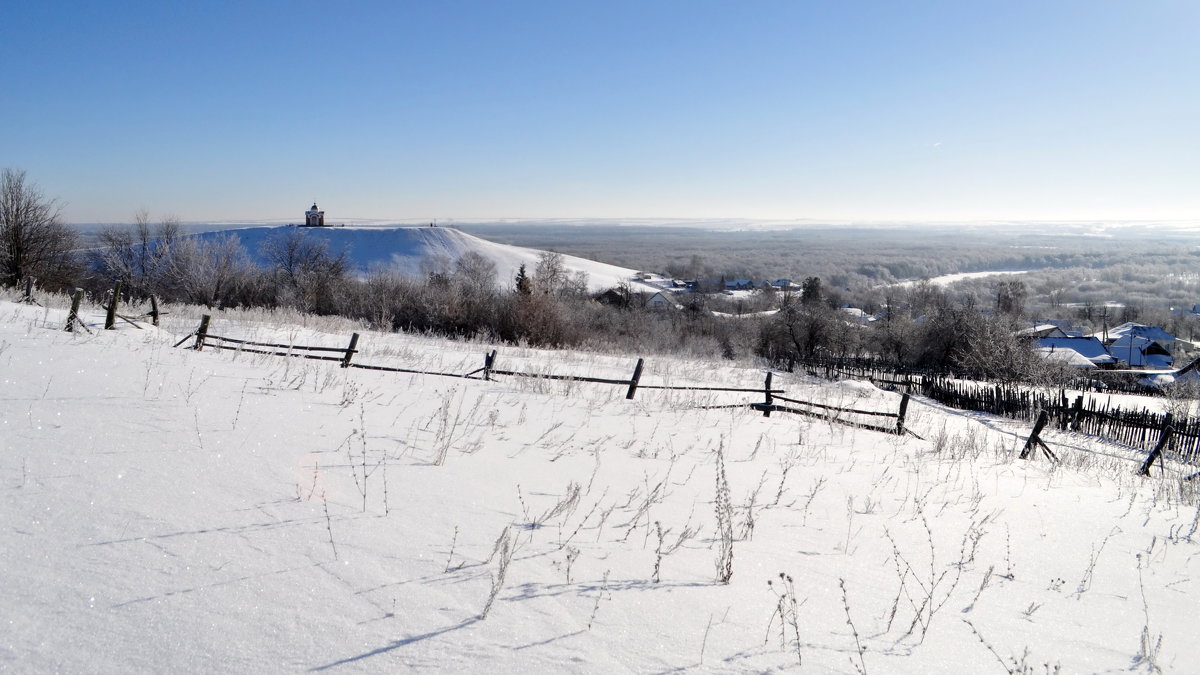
(1137, 345)
(662, 301)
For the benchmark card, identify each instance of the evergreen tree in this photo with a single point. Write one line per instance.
(524, 286)
(810, 291)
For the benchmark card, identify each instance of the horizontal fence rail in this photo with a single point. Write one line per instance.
(1138, 429)
(837, 409)
(345, 355)
(203, 338)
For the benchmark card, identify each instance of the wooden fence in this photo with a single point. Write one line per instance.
(834, 413)
(909, 379)
(345, 356)
(1141, 429)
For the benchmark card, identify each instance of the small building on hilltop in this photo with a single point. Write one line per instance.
(314, 217)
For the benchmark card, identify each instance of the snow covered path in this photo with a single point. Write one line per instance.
(164, 510)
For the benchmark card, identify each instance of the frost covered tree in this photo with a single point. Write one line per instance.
(304, 273)
(34, 240)
(138, 255)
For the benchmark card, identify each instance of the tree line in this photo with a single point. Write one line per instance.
(920, 326)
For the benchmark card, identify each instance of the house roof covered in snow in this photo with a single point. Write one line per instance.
(1089, 348)
(1069, 357)
(1041, 330)
(1140, 330)
(661, 300)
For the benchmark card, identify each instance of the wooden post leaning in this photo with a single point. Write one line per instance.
(901, 415)
(1035, 440)
(1156, 454)
(633, 383)
(110, 319)
(768, 399)
(202, 332)
(73, 317)
(350, 350)
(489, 362)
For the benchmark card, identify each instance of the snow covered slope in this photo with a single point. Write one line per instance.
(405, 248)
(167, 510)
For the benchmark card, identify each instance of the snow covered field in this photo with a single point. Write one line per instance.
(170, 510)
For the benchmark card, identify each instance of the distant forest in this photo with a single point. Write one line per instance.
(1140, 267)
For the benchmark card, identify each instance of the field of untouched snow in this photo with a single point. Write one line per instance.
(408, 249)
(163, 509)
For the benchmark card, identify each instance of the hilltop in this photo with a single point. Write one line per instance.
(409, 250)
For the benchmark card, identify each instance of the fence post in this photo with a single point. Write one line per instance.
(73, 317)
(1167, 430)
(770, 400)
(1077, 414)
(154, 310)
(900, 417)
(633, 383)
(1034, 438)
(489, 360)
(202, 332)
(110, 319)
(350, 350)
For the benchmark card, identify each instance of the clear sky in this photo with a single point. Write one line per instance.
(832, 110)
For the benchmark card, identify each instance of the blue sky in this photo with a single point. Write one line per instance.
(834, 111)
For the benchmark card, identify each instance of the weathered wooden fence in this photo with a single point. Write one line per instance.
(834, 413)
(832, 368)
(345, 356)
(203, 338)
(889, 374)
(1141, 429)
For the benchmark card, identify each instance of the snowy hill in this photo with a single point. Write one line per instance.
(166, 510)
(404, 249)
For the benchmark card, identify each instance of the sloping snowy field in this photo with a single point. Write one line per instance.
(406, 249)
(167, 510)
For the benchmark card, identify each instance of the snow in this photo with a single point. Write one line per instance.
(405, 249)
(947, 279)
(1068, 357)
(163, 509)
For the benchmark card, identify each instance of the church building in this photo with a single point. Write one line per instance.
(314, 217)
